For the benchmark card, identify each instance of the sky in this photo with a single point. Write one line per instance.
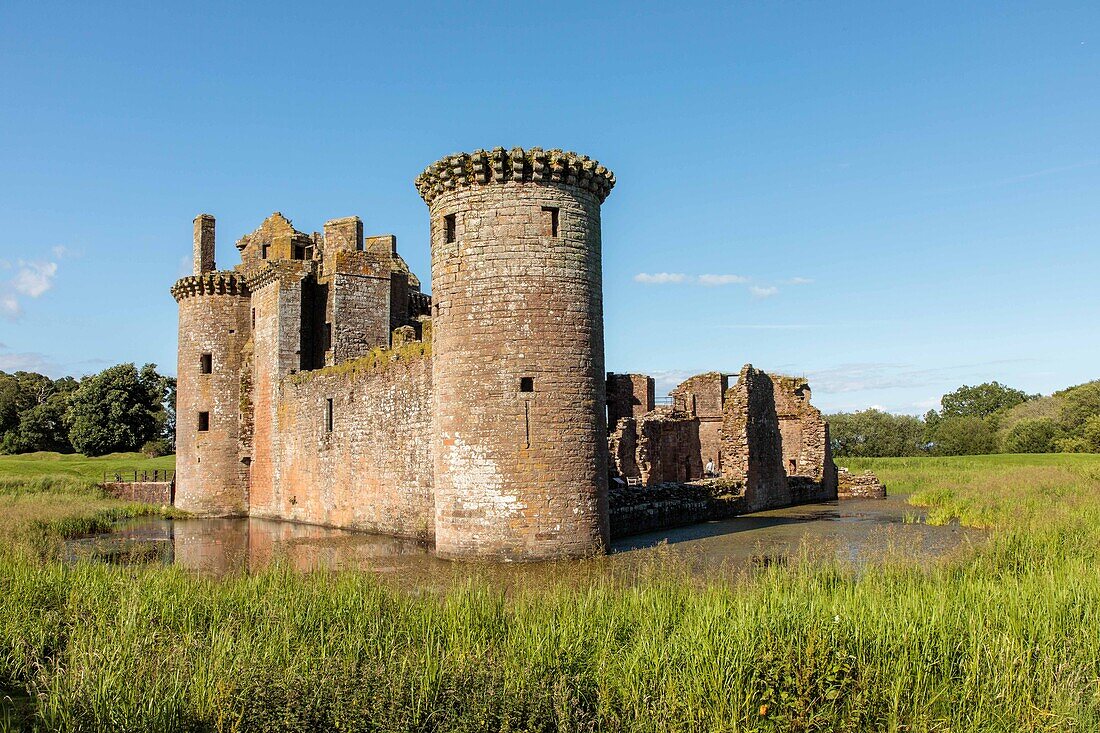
(890, 199)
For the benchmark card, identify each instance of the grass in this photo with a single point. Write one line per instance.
(1002, 639)
(46, 471)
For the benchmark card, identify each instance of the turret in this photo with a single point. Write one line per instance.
(213, 327)
(520, 437)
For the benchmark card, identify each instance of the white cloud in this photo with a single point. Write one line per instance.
(34, 278)
(31, 279)
(712, 280)
(660, 278)
(799, 281)
(759, 291)
(9, 306)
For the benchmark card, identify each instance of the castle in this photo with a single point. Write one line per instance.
(318, 384)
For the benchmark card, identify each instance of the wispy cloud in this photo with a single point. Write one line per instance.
(660, 278)
(859, 376)
(714, 280)
(31, 279)
(27, 361)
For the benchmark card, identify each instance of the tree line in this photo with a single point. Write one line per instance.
(973, 420)
(122, 408)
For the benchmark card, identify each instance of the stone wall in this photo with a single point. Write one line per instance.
(634, 510)
(859, 485)
(805, 435)
(752, 445)
(518, 368)
(622, 445)
(214, 321)
(373, 469)
(145, 492)
(668, 447)
(704, 397)
(628, 395)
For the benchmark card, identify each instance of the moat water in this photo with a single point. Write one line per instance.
(856, 532)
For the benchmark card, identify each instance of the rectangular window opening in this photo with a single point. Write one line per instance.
(328, 415)
(308, 253)
(204, 422)
(550, 220)
(526, 384)
(206, 364)
(264, 250)
(298, 253)
(793, 467)
(326, 337)
(449, 228)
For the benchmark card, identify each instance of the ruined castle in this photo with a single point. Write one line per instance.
(317, 383)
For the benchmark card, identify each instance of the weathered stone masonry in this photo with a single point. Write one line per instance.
(318, 384)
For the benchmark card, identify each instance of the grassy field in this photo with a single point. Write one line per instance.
(1004, 638)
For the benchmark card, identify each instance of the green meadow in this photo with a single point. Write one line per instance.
(1004, 636)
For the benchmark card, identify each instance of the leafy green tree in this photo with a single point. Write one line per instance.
(873, 433)
(963, 436)
(38, 405)
(118, 409)
(982, 400)
(1031, 436)
(1078, 405)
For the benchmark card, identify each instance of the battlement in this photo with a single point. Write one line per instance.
(210, 283)
(534, 165)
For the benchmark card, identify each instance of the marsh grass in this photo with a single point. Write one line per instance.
(1001, 638)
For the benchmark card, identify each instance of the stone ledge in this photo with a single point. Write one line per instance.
(210, 283)
(534, 165)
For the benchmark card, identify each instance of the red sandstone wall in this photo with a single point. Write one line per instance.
(752, 442)
(519, 475)
(209, 475)
(374, 470)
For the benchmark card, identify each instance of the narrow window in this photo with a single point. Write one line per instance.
(449, 228)
(204, 422)
(526, 384)
(792, 467)
(206, 364)
(326, 337)
(253, 318)
(328, 415)
(527, 423)
(550, 220)
(263, 251)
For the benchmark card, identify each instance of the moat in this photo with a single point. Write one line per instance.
(856, 532)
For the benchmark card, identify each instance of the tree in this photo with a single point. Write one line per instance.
(1078, 405)
(118, 409)
(32, 412)
(983, 400)
(963, 436)
(1031, 436)
(874, 433)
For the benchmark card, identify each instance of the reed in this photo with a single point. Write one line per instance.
(1001, 638)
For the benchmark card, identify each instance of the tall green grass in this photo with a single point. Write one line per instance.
(1004, 638)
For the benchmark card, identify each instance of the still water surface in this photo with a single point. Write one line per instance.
(857, 532)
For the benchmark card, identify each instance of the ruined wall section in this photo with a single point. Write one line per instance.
(622, 445)
(628, 395)
(213, 328)
(752, 444)
(703, 396)
(668, 447)
(807, 454)
(364, 462)
(520, 420)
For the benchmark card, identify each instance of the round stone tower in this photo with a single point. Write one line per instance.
(520, 440)
(214, 324)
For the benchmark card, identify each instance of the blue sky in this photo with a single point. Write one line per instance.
(891, 199)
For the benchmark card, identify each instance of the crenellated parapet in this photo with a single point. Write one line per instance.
(210, 283)
(534, 165)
